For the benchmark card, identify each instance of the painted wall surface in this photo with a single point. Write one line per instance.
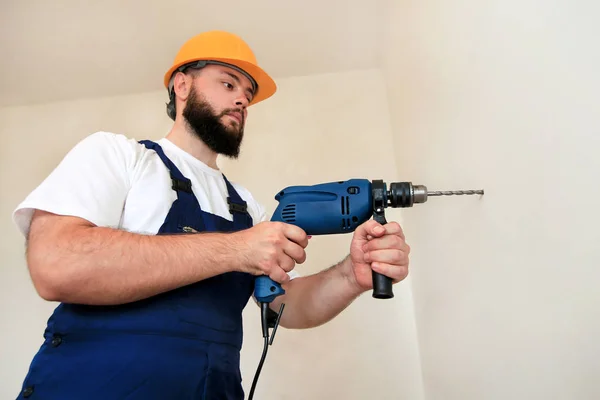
(501, 96)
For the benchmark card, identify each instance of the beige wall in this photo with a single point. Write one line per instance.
(316, 129)
(502, 95)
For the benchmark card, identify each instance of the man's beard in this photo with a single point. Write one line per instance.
(204, 122)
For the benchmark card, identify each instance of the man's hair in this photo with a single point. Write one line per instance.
(171, 109)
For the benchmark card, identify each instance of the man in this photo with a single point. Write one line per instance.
(152, 253)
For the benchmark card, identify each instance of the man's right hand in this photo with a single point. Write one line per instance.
(272, 249)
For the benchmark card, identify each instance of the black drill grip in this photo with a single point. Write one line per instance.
(382, 285)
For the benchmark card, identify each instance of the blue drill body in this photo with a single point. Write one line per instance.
(322, 209)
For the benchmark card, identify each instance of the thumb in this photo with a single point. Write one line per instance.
(371, 229)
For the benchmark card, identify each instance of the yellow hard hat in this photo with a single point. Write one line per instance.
(224, 48)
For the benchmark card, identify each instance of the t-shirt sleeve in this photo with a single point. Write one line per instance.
(262, 214)
(90, 182)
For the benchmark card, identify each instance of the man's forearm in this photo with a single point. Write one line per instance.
(94, 265)
(316, 299)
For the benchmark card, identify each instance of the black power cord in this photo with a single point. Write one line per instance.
(269, 319)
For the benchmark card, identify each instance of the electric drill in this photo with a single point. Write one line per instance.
(334, 208)
(340, 207)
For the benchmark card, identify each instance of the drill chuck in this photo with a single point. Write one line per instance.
(405, 194)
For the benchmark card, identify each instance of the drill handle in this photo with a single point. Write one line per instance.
(266, 289)
(382, 285)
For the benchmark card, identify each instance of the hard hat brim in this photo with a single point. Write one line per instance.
(266, 85)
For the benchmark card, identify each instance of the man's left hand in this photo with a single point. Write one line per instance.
(379, 248)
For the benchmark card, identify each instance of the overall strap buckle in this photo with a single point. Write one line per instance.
(184, 185)
(237, 207)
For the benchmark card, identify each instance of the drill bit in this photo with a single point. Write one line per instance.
(420, 194)
(454, 192)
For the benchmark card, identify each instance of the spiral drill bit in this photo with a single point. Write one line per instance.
(454, 192)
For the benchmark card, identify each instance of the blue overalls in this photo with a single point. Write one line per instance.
(184, 344)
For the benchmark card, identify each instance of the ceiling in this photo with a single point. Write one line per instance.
(67, 49)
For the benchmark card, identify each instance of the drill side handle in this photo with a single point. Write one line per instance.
(382, 285)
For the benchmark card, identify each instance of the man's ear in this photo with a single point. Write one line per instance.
(182, 85)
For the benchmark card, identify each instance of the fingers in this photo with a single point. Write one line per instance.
(295, 234)
(288, 258)
(390, 249)
(386, 242)
(373, 229)
(279, 275)
(387, 256)
(395, 272)
(293, 249)
(276, 248)
(369, 229)
(294, 252)
(394, 228)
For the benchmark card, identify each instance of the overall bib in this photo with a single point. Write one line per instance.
(183, 344)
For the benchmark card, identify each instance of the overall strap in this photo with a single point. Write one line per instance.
(181, 184)
(186, 202)
(238, 208)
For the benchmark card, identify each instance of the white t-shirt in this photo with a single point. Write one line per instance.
(114, 181)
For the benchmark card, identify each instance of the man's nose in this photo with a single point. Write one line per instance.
(242, 101)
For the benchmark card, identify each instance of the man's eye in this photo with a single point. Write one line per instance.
(228, 85)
